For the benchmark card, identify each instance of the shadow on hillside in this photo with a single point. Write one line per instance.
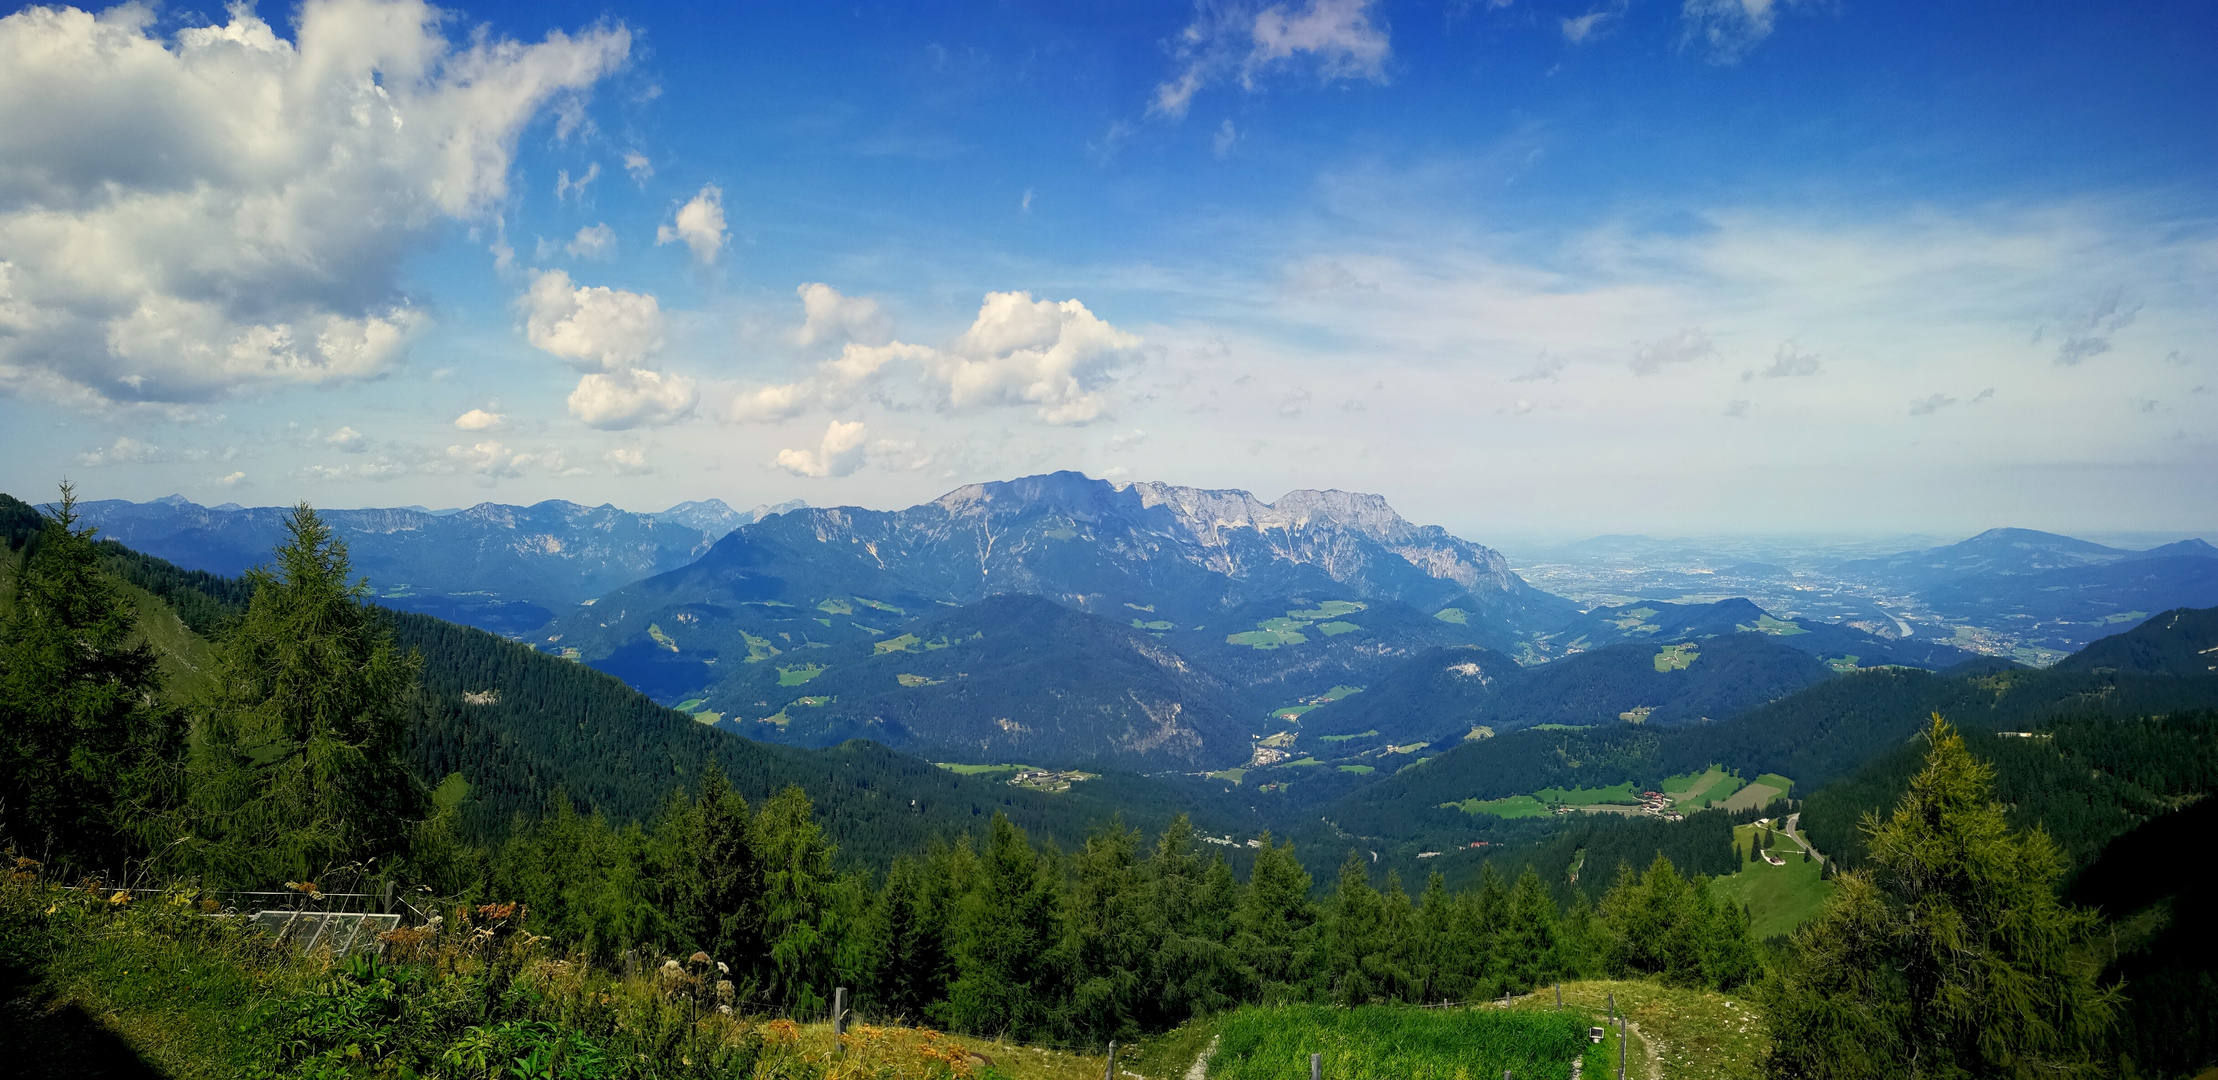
(68, 1041)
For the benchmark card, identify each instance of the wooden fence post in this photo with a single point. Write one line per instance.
(839, 1020)
(1316, 1067)
(1110, 1073)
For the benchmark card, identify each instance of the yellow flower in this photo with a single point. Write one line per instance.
(120, 898)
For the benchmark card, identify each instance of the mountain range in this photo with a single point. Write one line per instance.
(499, 567)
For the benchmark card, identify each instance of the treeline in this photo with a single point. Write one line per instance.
(2084, 780)
(1108, 940)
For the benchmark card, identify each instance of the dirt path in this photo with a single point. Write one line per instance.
(1200, 1071)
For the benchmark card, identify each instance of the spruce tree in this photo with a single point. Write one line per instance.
(303, 759)
(1948, 954)
(86, 744)
(1006, 940)
(1275, 921)
(794, 863)
(719, 881)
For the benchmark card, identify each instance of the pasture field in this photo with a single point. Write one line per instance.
(1677, 657)
(1454, 615)
(1359, 770)
(1516, 806)
(796, 674)
(1337, 626)
(1330, 609)
(1379, 1042)
(1759, 792)
(1345, 738)
(979, 770)
(1677, 1033)
(1151, 624)
(1615, 794)
(1778, 898)
(906, 679)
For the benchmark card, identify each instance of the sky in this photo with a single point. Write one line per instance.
(1523, 267)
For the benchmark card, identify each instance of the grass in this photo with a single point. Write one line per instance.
(1778, 898)
(1303, 761)
(1454, 615)
(1759, 792)
(961, 769)
(759, 649)
(1330, 609)
(1720, 791)
(1291, 712)
(1766, 624)
(1615, 794)
(811, 702)
(1337, 627)
(900, 644)
(1266, 639)
(1359, 770)
(880, 605)
(1516, 806)
(835, 606)
(796, 674)
(1345, 738)
(907, 679)
(1152, 624)
(187, 661)
(1376, 1042)
(662, 639)
(1689, 1034)
(1677, 657)
(1232, 775)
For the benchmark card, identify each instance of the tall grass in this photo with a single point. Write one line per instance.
(1386, 1042)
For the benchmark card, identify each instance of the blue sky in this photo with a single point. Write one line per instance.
(1524, 267)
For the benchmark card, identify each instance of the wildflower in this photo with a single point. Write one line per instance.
(698, 958)
(120, 898)
(721, 969)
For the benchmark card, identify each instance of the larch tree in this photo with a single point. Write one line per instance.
(1949, 953)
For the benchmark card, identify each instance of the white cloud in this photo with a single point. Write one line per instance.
(1019, 351)
(1055, 357)
(124, 451)
(480, 420)
(232, 480)
(1337, 38)
(628, 461)
(700, 223)
(1686, 346)
(638, 166)
(1221, 144)
(593, 242)
(829, 316)
(225, 208)
(1729, 28)
(566, 188)
(493, 460)
(839, 454)
(1546, 369)
(346, 440)
(1579, 28)
(594, 328)
(2087, 333)
(635, 398)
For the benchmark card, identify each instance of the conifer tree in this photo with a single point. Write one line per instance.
(1528, 944)
(86, 744)
(1275, 921)
(303, 764)
(719, 880)
(1108, 936)
(1005, 941)
(794, 864)
(1948, 954)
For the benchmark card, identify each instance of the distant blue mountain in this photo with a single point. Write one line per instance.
(499, 567)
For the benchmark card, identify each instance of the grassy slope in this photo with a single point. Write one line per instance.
(1683, 1034)
(1779, 898)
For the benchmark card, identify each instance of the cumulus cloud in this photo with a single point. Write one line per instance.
(594, 328)
(124, 451)
(612, 335)
(638, 166)
(699, 223)
(1927, 406)
(593, 242)
(493, 460)
(1686, 346)
(481, 420)
(1335, 38)
(628, 461)
(346, 440)
(233, 479)
(1057, 357)
(225, 208)
(829, 316)
(1729, 28)
(635, 398)
(839, 454)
